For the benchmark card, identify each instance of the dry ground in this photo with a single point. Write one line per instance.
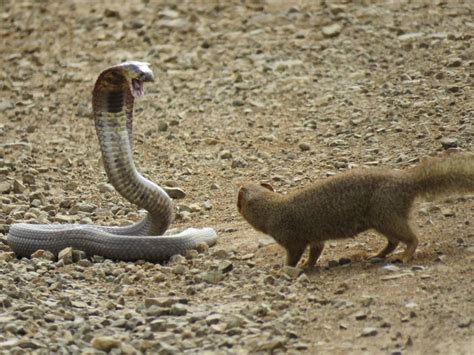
(280, 91)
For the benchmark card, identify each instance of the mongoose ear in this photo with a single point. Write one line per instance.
(267, 186)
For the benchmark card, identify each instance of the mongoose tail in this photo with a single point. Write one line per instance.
(450, 174)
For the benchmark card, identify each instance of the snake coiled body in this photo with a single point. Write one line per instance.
(112, 101)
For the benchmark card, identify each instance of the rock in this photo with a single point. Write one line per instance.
(162, 126)
(212, 277)
(344, 261)
(332, 30)
(225, 154)
(178, 309)
(7, 256)
(304, 147)
(43, 254)
(84, 207)
(465, 323)
(18, 187)
(333, 263)
(369, 331)
(5, 187)
(5, 302)
(202, 247)
(270, 345)
(220, 254)
(66, 256)
(449, 142)
(191, 254)
(174, 192)
(360, 315)
(239, 162)
(104, 187)
(454, 63)
(225, 266)
(105, 343)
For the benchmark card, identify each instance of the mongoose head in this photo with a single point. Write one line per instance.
(252, 203)
(249, 192)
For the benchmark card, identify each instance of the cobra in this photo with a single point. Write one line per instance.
(112, 100)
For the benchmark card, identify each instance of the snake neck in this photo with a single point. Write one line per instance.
(113, 113)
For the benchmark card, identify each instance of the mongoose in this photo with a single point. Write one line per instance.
(344, 205)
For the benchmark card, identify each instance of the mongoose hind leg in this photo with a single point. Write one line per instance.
(387, 249)
(315, 250)
(293, 254)
(398, 230)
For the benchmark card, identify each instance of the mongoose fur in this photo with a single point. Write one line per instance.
(352, 202)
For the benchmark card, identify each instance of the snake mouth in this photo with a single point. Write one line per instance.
(137, 88)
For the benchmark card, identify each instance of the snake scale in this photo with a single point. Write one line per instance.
(112, 100)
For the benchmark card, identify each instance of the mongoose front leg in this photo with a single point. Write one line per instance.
(293, 254)
(315, 250)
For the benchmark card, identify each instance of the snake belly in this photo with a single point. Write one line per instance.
(112, 101)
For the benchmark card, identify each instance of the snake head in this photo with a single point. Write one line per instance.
(127, 75)
(138, 73)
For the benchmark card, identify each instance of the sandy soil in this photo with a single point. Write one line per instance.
(280, 91)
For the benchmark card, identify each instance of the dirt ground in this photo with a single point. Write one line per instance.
(285, 92)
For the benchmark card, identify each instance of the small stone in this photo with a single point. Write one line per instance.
(225, 266)
(5, 187)
(43, 254)
(84, 207)
(333, 263)
(292, 272)
(344, 261)
(360, 316)
(454, 63)
(220, 254)
(270, 345)
(5, 302)
(179, 269)
(225, 154)
(191, 254)
(28, 179)
(178, 309)
(369, 332)
(175, 192)
(465, 323)
(239, 162)
(18, 187)
(7, 256)
(105, 343)
(104, 187)
(304, 147)
(78, 255)
(66, 256)
(162, 126)
(448, 142)
(212, 277)
(331, 30)
(202, 247)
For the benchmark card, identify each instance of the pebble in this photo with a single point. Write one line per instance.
(212, 277)
(332, 30)
(66, 256)
(369, 332)
(105, 187)
(105, 343)
(304, 147)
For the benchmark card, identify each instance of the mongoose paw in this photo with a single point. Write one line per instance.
(399, 258)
